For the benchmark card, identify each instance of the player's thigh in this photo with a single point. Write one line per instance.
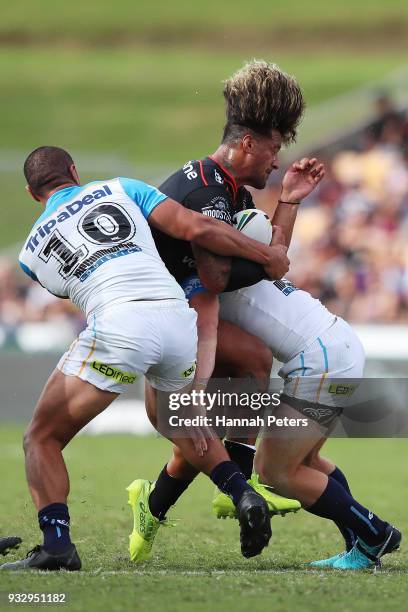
(66, 405)
(116, 348)
(283, 448)
(251, 309)
(321, 381)
(176, 328)
(240, 353)
(135, 339)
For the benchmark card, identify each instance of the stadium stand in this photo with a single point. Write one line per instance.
(351, 247)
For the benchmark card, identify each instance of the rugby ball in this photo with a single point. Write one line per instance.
(255, 224)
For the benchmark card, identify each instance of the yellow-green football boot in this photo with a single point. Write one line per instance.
(223, 506)
(145, 525)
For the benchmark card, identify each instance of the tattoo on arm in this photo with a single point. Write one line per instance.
(213, 270)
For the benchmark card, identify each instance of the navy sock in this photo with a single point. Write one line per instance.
(243, 455)
(339, 506)
(230, 480)
(166, 492)
(347, 533)
(54, 523)
(338, 475)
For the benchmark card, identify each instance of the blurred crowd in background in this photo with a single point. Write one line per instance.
(31, 318)
(350, 247)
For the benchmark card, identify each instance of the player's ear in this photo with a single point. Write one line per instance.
(32, 194)
(74, 174)
(248, 144)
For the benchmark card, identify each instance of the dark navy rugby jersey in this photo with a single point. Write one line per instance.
(206, 187)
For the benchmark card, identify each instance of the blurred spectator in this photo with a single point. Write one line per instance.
(350, 245)
(24, 303)
(390, 126)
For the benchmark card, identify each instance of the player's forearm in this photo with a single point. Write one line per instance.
(206, 349)
(207, 308)
(223, 239)
(213, 270)
(285, 216)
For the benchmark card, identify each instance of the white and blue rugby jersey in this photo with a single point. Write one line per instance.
(93, 245)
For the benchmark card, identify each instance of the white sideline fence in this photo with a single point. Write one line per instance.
(387, 356)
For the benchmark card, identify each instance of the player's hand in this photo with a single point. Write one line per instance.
(278, 264)
(198, 434)
(200, 437)
(301, 179)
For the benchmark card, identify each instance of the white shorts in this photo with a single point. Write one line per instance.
(321, 380)
(156, 339)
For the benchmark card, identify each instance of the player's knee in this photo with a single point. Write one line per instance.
(31, 438)
(319, 463)
(42, 430)
(34, 434)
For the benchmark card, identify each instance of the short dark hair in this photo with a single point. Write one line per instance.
(46, 168)
(261, 97)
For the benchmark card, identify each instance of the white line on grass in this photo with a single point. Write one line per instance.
(220, 573)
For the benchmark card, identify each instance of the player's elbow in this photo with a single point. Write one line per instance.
(214, 285)
(215, 279)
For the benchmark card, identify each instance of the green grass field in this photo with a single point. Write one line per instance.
(197, 565)
(239, 22)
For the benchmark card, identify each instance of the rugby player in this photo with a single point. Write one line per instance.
(93, 245)
(316, 348)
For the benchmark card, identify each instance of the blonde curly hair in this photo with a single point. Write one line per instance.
(261, 97)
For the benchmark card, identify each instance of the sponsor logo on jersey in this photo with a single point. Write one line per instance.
(222, 215)
(219, 203)
(191, 286)
(189, 370)
(285, 286)
(85, 269)
(189, 171)
(218, 177)
(346, 390)
(125, 378)
(42, 231)
(189, 261)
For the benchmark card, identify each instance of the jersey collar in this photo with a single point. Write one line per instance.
(62, 194)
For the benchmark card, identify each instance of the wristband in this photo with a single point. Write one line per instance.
(284, 202)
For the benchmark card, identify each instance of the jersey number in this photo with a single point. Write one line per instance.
(103, 224)
(64, 252)
(107, 223)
